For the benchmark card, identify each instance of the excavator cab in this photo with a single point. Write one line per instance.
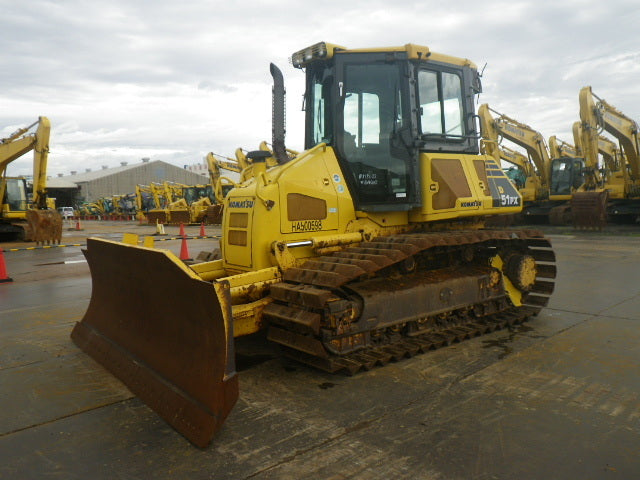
(567, 175)
(15, 193)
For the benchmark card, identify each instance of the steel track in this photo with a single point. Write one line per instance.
(308, 290)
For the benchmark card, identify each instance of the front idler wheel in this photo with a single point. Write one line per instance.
(521, 270)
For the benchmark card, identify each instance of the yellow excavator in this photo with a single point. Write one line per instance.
(622, 185)
(568, 166)
(367, 247)
(216, 163)
(610, 176)
(528, 181)
(144, 201)
(554, 179)
(34, 219)
(161, 199)
(221, 184)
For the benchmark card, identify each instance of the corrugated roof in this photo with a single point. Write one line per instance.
(60, 182)
(93, 175)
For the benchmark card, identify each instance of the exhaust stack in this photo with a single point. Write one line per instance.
(278, 115)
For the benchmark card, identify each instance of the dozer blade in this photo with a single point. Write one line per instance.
(45, 226)
(164, 332)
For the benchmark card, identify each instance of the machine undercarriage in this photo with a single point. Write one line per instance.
(399, 295)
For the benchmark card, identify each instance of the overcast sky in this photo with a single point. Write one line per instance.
(122, 80)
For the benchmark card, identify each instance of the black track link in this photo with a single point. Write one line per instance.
(407, 347)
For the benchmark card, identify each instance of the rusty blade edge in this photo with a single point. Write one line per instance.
(184, 413)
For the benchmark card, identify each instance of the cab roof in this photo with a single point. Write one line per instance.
(325, 51)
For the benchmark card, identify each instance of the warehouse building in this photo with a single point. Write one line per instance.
(89, 186)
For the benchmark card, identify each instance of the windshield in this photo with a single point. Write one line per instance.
(15, 194)
(193, 194)
(441, 103)
(373, 119)
(566, 174)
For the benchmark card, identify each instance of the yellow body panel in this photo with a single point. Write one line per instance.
(617, 185)
(261, 209)
(290, 205)
(452, 187)
(528, 192)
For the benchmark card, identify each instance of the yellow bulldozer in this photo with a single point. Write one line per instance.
(365, 248)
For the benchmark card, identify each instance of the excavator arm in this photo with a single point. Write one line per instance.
(559, 148)
(520, 134)
(527, 181)
(215, 164)
(600, 115)
(40, 159)
(516, 158)
(611, 154)
(590, 128)
(492, 135)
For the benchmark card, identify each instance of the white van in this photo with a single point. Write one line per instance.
(66, 212)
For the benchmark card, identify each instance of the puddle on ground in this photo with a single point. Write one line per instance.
(503, 342)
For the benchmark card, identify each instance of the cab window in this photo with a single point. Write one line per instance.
(441, 104)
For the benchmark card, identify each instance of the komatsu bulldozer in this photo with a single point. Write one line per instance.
(365, 248)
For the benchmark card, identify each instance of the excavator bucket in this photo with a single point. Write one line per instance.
(560, 215)
(164, 332)
(214, 214)
(156, 216)
(44, 226)
(589, 209)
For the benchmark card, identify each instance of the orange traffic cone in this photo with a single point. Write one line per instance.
(184, 250)
(182, 230)
(202, 232)
(4, 278)
(78, 225)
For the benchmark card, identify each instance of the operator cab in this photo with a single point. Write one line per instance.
(15, 195)
(567, 175)
(379, 108)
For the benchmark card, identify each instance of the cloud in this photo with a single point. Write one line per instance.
(212, 86)
(173, 80)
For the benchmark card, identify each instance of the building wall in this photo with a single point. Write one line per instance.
(124, 182)
(200, 168)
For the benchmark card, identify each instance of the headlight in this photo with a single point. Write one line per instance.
(307, 55)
